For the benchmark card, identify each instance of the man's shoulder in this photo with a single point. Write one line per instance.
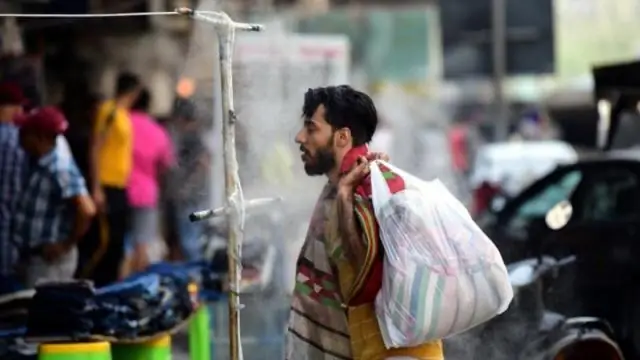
(64, 164)
(67, 176)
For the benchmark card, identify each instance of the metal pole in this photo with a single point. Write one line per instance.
(225, 44)
(225, 30)
(499, 52)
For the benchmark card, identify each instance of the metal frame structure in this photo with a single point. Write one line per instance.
(225, 29)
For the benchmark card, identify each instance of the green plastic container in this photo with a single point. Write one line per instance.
(200, 334)
(157, 349)
(75, 351)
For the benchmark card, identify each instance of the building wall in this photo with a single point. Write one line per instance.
(157, 57)
(590, 32)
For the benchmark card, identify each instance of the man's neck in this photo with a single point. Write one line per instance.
(334, 175)
(345, 161)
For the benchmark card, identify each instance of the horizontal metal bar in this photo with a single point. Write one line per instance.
(250, 205)
(108, 15)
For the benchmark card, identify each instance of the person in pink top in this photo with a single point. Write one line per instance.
(152, 156)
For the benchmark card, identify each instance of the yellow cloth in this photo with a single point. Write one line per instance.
(366, 339)
(115, 158)
(367, 344)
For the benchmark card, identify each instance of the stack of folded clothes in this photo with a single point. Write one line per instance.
(144, 305)
(124, 308)
(13, 347)
(208, 277)
(14, 309)
(62, 309)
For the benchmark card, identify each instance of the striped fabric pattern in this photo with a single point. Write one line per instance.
(318, 327)
(11, 163)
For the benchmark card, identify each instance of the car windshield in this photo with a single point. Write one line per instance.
(537, 206)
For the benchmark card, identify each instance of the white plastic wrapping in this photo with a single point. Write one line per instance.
(442, 274)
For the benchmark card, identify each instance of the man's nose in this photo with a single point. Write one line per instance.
(299, 139)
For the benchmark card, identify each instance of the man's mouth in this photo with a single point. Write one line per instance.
(304, 155)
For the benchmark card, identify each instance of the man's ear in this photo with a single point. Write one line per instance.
(343, 138)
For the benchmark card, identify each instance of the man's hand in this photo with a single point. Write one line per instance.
(99, 199)
(377, 156)
(354, 176)
(359, 171)
(51, 253)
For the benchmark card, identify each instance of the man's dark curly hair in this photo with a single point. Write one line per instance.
(345, 107)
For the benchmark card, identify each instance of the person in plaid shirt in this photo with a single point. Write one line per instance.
(11, 101)
(54, 209)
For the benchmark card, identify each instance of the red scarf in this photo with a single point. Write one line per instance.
(372, 281)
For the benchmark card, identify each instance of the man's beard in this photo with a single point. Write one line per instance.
(323, 162)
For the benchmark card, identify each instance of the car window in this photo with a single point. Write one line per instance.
(540, 203)
(611, 194)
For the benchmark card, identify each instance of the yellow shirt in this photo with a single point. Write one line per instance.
(116, 154)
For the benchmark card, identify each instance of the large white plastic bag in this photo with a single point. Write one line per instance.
(442, 275)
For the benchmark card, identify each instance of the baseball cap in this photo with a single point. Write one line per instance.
(47, 119)
(11, 94)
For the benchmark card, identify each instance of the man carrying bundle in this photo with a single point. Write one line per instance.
(339, 271)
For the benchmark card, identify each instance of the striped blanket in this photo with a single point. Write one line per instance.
(318, 328)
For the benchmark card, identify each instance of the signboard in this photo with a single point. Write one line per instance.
(390, 44)
(467, 37)
(291, 64)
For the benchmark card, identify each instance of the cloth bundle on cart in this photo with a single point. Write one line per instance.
(144, 305)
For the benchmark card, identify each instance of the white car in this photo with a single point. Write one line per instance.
(509, 167)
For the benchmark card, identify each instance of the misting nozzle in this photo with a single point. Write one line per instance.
(184, 11)
(250, 205)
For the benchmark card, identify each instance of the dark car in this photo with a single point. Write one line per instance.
(604, 191)
(603, 233)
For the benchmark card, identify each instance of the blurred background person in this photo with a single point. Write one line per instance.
(464, 141)
(152, 157)
(80, 106)
(189, 180)
(54, 209)
(11, 157)
(102, 252)
(536, 125)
